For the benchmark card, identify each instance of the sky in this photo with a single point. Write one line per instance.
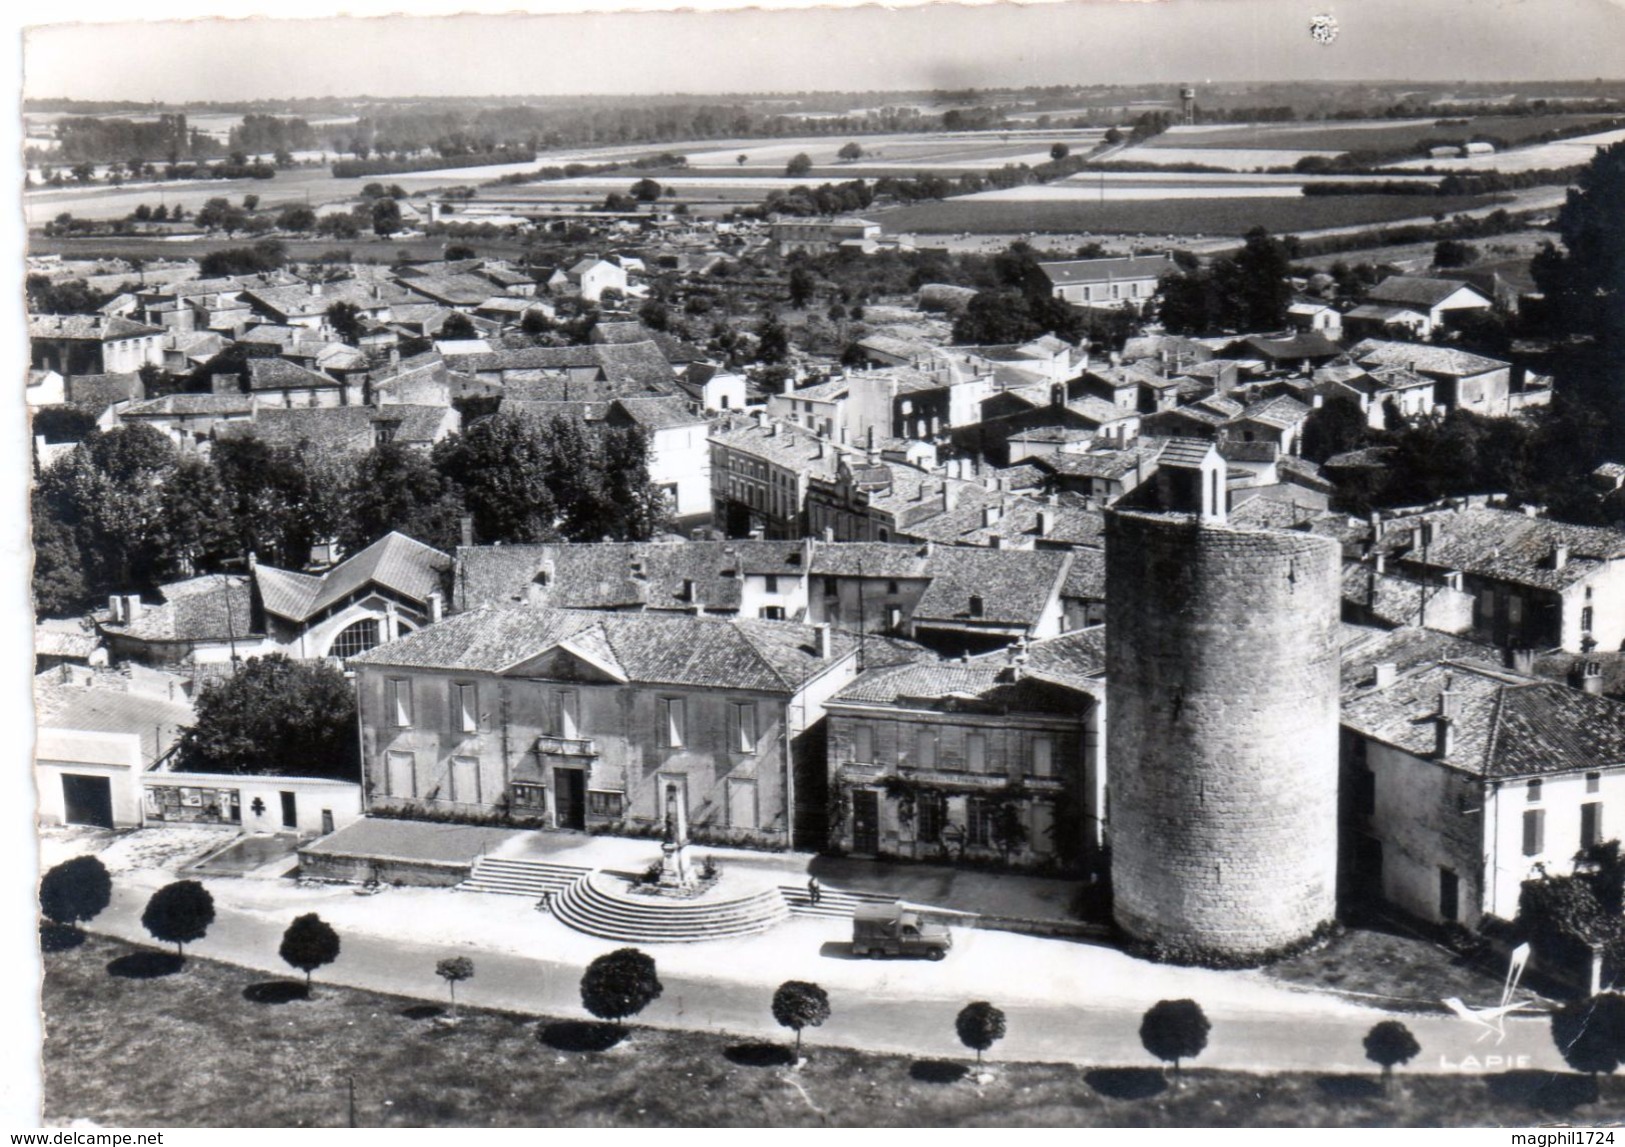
(847, 47)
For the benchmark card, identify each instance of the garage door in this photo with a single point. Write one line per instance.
(87, 800)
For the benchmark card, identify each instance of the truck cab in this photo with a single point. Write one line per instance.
(895, 930)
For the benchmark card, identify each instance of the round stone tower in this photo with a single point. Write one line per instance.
(1222, 733)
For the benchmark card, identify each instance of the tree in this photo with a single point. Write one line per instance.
(1453, 253)
(619, 984)
(454, 970)
(980, 1025)
(1582, 282)
(1590, 1034)
(1388, 1043)
(1337, 426)
(397, 488)
(338, 226)
(251, 202)
(740, 159)
(851, 151)
(275, 717)
(1059, 151)
(1174, 1030)
(386, 218)
(346, 320)
(179, 913)
(308, 944)
(1009, 829)
(458, 326)
(298, 219)
(645, 191)
(772, 340)
(75, 891)
(799, 165)
(799, 1004)
(803, 284)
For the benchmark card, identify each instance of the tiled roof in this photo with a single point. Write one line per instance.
(1184, 452)
(394, 562)
(1415, 289)
(1097, 410)
(1505, 726)
(64, 639)
(990, 683)
(1109, 464)
(1423, 358)
(215, 607)
(1505, 546)
(1086, 579)
(606, 575)
(644, 648)
(157, 721)
(280, 374)
(303, 300)
(791, 447)
(452, 289)
(1075, 271)
(1310, 344)
(660, 413)
(101, 328)
(103, 390)
(194, 404)
(1283, 411)
(1014, 586)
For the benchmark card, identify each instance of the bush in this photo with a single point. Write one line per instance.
(179, 913)
(75, 891)
(620, 984)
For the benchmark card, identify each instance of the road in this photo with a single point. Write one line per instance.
(899, 1011)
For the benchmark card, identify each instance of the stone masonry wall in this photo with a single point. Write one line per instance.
(1221, 654)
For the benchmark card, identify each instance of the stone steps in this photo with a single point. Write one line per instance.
(532, 878)
(832, 903)
(592, 906)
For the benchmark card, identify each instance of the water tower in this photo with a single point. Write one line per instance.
(1187, 104)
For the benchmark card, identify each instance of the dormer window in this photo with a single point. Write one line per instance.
(976, 605)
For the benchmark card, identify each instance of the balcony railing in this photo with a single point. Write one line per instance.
(566, 747)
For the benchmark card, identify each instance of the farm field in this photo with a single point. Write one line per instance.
(1233, 158)
(1561, 153)
(1365, 135)
(931, 151)
(1197, 216)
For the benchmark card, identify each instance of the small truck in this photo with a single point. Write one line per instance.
(893, 930)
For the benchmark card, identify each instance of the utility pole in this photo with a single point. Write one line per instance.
(352, 1100)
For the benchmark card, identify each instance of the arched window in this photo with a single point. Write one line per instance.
(356, 639)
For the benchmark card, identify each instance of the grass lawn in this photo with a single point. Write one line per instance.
(1171, 216)
(1403, 969)
(216, 1045)
(365, 248)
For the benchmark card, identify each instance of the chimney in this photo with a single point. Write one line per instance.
(789, 386)
(950, 496)
(315, 290)
(991, 514)
(437, 606)
(1520, 659)
(252, 561)
(1383, 674)
(871, 437)
(1379, 562)
(1046, 523)
(1586, 676)
(394, 358)
(1444, 736)
(466, 524)
(823, 635)
(132, 607)
(977, 604)
(115, 609)
(690, 590)
(1560, 555)
(772, 429)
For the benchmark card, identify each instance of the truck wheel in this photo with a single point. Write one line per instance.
(937, 953)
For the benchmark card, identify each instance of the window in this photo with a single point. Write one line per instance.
(770, 583)
(1486, 604)
(1515, 610)
(832, 587)
(465, 780)
(742, 726)
(1590, 824)
(605, 804)
(1593, 782)
(465, 713)
(925, 749)
(398, 701)
(771, 612)
(1365, 792)
(1585, 619)
(894, 619)
(400, 776)
(1534, 831)
(979, 814)
(673, 722)
(976, 605)
(356, 639)
(569, 715)
(1043, 754)
(891, 587)
(530, 796)
(863, 744)
(1534, 791)
(1449, 895)
(976, 753)
(930, 815)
